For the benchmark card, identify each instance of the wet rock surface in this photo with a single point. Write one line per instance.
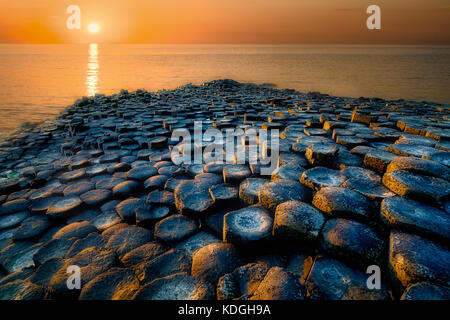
(321, 154)
(92, 261)
(179, 286)
(333, 280)
(249, 189)
(242, 282)
(426, 291)
(32, 227)
(123, 238)
(425, 188)
(215, 260)
(145, 252)
(114, 284)
(297, 221)
(274, 193)
(415, 217)
(174, 228)
(279, 284)
(413, 259)
(193, 198)
(319, 177)
(352, 241)
(338, 201)
(357, 182)
(169, 263)
(247, 226)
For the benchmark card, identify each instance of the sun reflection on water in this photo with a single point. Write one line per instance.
(92, 70)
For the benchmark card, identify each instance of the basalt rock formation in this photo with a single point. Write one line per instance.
(358, 183)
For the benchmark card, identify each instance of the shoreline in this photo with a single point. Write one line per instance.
(360, 182)
(32, 124)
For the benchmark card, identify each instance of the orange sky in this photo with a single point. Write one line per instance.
(227, 21)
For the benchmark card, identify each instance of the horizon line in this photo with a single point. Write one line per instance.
(231, 44)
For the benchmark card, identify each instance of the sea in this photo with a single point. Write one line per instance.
(39, 81)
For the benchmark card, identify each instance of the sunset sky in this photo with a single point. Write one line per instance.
(226, 21)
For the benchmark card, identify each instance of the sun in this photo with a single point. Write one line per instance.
(94, 28)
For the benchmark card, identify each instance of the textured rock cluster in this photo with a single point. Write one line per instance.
(359, 182)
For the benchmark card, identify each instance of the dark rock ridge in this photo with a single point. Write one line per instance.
(358, 183)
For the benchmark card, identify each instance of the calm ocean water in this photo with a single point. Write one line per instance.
(38, 81)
